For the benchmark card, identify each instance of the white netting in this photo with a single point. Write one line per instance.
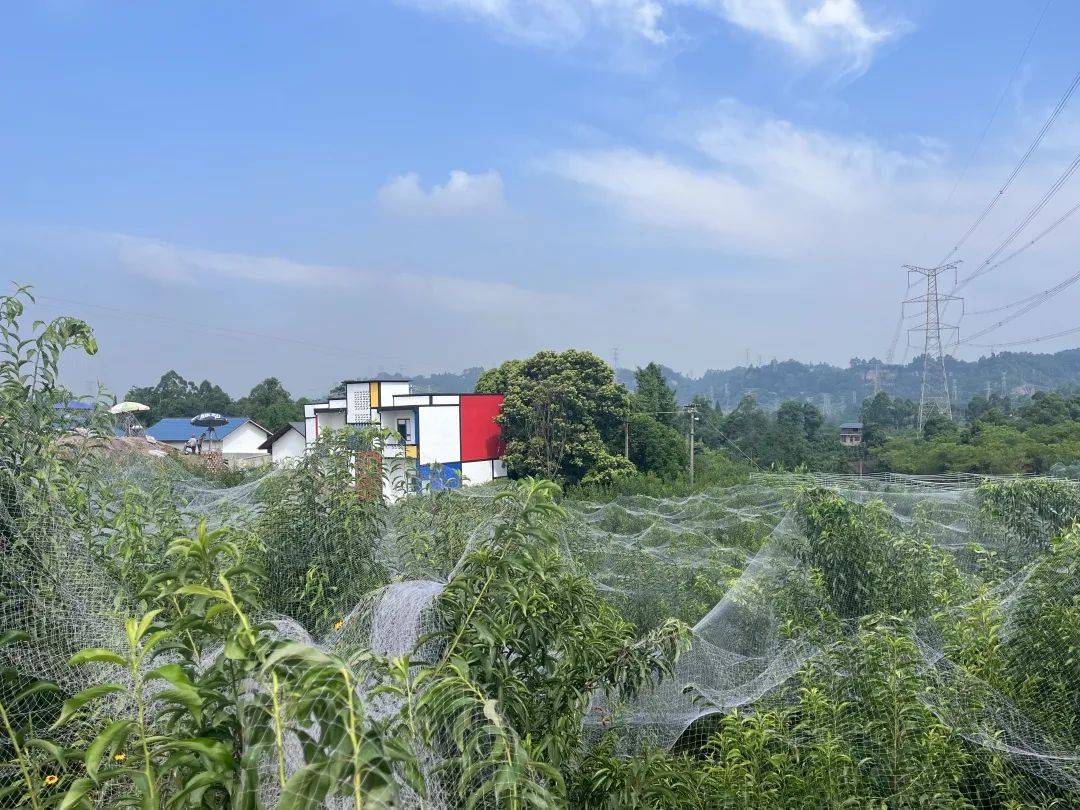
(881, 641)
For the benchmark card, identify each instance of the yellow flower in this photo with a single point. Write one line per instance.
(339, 624)
(120, 757)
(51, 779)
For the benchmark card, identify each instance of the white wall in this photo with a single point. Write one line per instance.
(244, 440)
(331, 420)
(291, 445)
(440, 434)
(389, 390)
(476, 472)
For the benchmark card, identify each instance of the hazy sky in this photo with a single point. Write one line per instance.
(324, 189)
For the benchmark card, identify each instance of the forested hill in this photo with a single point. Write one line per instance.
(1020, 372)
(772, 383)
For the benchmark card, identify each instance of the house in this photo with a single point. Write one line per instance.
(442, 440)
(239, 440)
(851, 434)
(286, 443)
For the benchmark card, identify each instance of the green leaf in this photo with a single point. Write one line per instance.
(112, 737)
(36, 688)
(9, 637)
(214, 750)
(74, 796)
(76, 702)
(97, 655)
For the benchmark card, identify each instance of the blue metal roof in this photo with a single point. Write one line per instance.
(180, 429)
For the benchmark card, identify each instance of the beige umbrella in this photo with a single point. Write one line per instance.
(128, 407)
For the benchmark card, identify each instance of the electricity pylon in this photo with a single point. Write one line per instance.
(935, 381)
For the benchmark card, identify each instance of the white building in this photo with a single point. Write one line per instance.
(239, 440)
(286, 443)
(444, 440)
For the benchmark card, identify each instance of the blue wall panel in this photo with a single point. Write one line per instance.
(448, 476)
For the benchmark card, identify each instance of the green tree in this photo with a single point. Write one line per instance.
(938, 424)
(270, 404)
(497, 380)
(175, 396)
(654, 396)
(563, 416)
(656, 447)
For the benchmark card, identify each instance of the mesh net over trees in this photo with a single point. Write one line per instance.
(793, 641)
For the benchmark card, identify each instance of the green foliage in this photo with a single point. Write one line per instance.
(270, 405)
(657, 448)
(172, 395)
(320, 527)
(533, 634)
(653, 396)
(868, 562)
(562, 417)
(497, 380)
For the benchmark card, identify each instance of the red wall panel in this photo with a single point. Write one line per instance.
(481, 438)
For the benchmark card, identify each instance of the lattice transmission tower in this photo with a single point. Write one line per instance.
(935, 380)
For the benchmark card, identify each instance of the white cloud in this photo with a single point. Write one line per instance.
(815, 30)
(764, 187)
(560, 23)
(463, 193)
(169, 263)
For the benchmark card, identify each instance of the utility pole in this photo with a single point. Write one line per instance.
(615, 360)
(934, 396)
(626, 438)
(1004, 389)
(691, 411)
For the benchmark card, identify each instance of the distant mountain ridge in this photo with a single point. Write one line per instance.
(837, 390)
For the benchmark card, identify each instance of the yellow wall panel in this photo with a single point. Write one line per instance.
(374, 395)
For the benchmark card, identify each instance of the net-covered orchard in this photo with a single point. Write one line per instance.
(175, 636)
(786, 642)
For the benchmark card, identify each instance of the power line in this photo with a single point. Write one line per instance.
(1024, 247)
(1052, 290)
(994, 112)
(1038, 300)
(891, 354)
(1019, 166)
(985, 265)
(128, 313)
(1026, 341)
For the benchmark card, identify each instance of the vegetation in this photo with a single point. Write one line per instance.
(295, 642)
(268, 403)
(562, 417)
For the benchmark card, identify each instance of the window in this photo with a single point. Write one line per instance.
(403, 429)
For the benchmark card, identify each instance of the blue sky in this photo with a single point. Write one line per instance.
(325, 189)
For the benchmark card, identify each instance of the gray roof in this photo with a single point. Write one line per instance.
(851, 426)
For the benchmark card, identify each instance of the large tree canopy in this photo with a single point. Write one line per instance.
(270, 404)
(175, 396)
(654, 396)
(563, 416)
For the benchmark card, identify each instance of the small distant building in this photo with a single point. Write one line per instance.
(851, 434)
(442, 440)
(286, 443)
(239, 440)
